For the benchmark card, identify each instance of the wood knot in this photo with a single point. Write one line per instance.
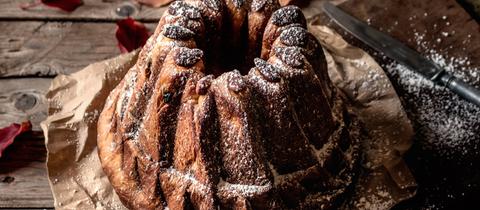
(125, 10)
(25, 101)
(8, 179)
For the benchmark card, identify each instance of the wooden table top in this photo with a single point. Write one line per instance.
(35, 46)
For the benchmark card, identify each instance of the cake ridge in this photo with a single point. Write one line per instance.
(179, 131)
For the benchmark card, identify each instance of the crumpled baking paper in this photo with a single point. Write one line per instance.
(385, 179)
(75, 101)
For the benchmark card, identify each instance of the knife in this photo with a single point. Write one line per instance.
(397, 51)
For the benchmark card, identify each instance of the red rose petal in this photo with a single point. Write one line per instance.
(154, 3)
(131, 34)
(65, 5)
(8, 134)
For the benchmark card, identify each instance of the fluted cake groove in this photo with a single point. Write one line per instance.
(185, 130)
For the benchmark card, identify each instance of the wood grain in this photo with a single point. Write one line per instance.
(23, 175)
(37, 48)
(30, 46)
(91, 10)
(444, 25)
(23, 99)
(108, 10)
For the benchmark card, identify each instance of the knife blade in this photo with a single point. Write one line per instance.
(399, 52)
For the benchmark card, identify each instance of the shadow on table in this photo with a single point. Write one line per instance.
(27, 148)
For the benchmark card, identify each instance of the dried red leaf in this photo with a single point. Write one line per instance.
(154, 3)
(65, 5)
(8, 134)
(131, 34)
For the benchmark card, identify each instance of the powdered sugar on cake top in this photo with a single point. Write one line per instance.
(287, 15)
(270, 72)
(257, 5)
(187, 57)
(290, 55)
(177, 32)
(183, 9)
(294, 36)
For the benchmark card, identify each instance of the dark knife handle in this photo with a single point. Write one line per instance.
(461, 88)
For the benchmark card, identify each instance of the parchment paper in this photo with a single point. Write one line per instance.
(75, 101)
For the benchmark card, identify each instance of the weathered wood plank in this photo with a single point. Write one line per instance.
(444, 27)
(49, 48)
(23, 175)
(23, 99)
(107, 10)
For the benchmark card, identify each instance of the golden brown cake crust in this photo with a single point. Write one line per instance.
(183, 130)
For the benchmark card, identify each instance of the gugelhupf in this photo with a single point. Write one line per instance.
(184, 131)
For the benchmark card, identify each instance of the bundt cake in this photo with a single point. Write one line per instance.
(183, 130)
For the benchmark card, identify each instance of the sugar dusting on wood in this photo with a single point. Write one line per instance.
(450, 125)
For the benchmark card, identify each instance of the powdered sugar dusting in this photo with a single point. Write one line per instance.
(235, 81)
(190, 24)
(177, 32)
(187, 178)
(203, 84)
(295, 36)
(287, 15)
(184, 9)
(374, 81)
(213, 4)
(258, 5)
(292, 56)
(243, 168)
(187, 57)
(238, 3)
(242, 189)
(270, 72)
(449, 125)
(380, 200)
